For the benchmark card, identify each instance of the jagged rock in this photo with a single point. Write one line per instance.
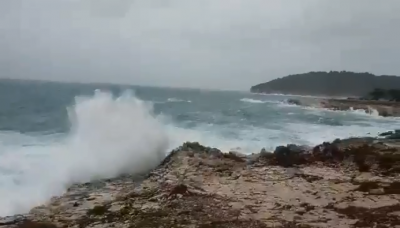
(328, 152)
(197, 147)
(290, 155)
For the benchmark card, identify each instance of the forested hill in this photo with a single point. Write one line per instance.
(333, 83)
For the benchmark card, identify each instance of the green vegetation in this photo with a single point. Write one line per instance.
(382, 94)
(333, 83)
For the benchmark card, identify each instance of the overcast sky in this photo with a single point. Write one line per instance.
(227, 44)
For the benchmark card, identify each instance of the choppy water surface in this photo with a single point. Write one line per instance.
(52, 135)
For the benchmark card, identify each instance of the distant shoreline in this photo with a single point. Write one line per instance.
(383, 108)
(302, 95)
(331, 83)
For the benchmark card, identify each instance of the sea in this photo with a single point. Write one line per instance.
(55, 134)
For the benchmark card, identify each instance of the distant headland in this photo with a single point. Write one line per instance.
(333, 83)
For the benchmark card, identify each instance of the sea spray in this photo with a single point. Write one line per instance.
(109, 136)
(113, 136)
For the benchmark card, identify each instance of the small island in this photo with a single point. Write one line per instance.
(380, 94)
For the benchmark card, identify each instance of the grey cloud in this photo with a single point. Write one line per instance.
(228, 44)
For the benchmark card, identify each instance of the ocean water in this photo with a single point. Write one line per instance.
(53, 134)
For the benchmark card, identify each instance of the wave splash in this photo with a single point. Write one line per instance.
(254, 101)
(109, 136)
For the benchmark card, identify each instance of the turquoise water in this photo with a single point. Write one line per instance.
(52, 134)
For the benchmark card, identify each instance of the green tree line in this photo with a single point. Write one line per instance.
(382, 94)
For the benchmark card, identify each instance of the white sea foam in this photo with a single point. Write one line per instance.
(294, 95)
(178, 100)
(254, 101)
(109, 136)
(250, 139)
(371, 112)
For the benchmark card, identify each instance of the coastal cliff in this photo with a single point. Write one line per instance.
(346, 183)
(333, 83)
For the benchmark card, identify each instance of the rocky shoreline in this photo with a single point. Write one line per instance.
(384, 108)
(346, 183)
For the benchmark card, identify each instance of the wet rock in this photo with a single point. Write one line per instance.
(214, 152)
(283, 156)
(293, 101)
(394, 135)
(239, 157)
(195, 146)
(387, 133)
(391, 134)
(264, 155)
(299, 149)
(328, 152)
(290, 155)
(263, 151)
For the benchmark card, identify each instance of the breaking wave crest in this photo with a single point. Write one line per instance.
(108, 136)
(254, 101)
